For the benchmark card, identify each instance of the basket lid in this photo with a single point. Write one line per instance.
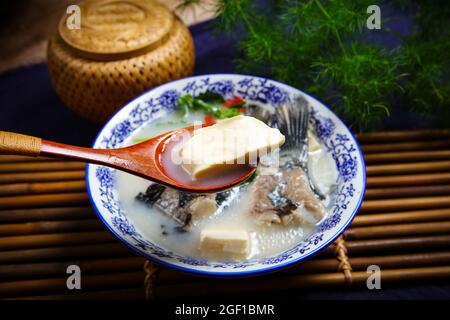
(117, 27)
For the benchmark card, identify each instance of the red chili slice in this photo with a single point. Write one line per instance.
(208, 120)
(233, 103)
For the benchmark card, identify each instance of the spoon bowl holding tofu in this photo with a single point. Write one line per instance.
(307, 183)
(217, 156)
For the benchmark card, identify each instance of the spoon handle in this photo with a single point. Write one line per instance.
(19, 144)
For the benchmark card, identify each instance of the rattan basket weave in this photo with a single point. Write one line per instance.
(123, 48)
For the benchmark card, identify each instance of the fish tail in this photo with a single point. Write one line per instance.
(292, 120)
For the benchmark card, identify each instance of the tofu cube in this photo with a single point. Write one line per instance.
(225, 243)
(237, 140)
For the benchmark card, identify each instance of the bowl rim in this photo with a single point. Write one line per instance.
(242, 273)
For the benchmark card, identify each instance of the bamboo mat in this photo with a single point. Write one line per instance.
(46, 224)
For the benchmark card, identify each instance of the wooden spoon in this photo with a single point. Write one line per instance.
(142, 159)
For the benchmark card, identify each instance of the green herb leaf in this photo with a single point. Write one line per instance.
(322, 46)
(252, 177)
(207, 102)
(223, 113)
(186, 103)
(211, 97)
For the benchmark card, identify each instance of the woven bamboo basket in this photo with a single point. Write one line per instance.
(122, 48)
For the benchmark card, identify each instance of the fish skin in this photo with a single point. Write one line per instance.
(180, 206)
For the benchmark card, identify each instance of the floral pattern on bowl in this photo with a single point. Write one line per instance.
(330, 130)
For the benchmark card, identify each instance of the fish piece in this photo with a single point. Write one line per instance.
(169, 204)
(203, 206)
(222, 197)
(261, 205)
(184, 207)
(297, 189)
(260, 113)
(299, 216)
(172, 203)
(284, 198)
(152, 194)
(292, 119)
(268, 218)
(287, 192)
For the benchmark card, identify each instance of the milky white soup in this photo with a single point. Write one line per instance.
(239, 214)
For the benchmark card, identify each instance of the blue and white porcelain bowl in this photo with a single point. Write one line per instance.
(330, 130)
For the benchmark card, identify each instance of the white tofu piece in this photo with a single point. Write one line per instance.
(237, 140)
(225, 243)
